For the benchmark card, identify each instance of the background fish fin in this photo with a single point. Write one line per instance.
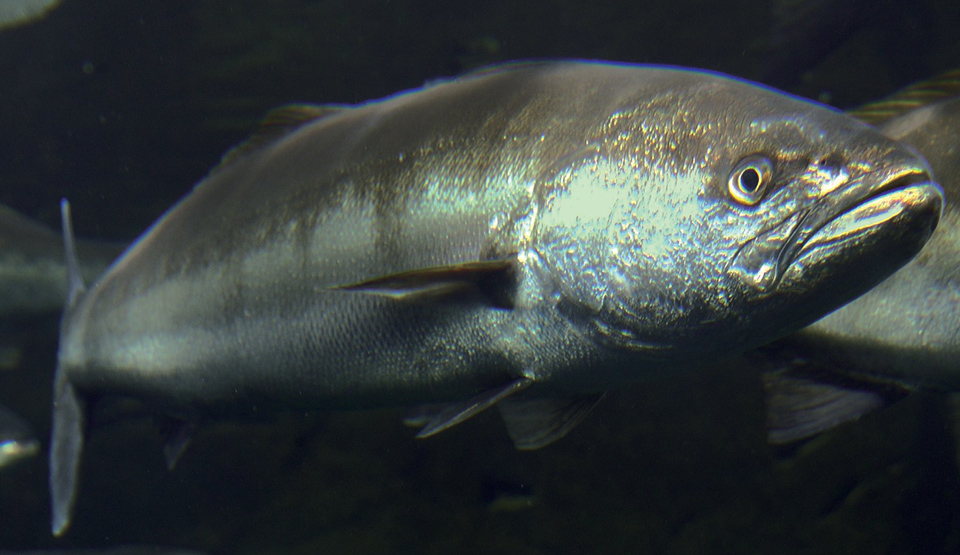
(65, 451)
(177, 435)
(803, 404)
(456, 413)
(278, 123)
(536, 422)
(943, 86)
(491, 280)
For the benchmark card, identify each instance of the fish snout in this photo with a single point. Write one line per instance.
(864, 232)
(903, 205)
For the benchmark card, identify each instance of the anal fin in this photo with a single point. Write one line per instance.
(456, 413)
(536, 422)
(803, 404)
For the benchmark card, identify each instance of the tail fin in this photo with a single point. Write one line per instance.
(68, 410)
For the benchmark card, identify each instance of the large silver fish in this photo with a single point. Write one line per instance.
(906, 331)
(526, 237)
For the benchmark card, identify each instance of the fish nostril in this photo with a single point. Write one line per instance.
(832, 160)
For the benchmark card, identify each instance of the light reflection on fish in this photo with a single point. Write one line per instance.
(524, 237)
(905, 333)
(17, 441)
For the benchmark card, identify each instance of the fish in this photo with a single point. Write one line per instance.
(17, 441)
(14, 13)
(33, 273)
(526, 237)
(901, 336)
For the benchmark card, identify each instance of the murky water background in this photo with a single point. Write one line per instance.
(122, 106)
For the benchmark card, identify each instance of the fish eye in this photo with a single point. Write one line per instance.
(750, 179)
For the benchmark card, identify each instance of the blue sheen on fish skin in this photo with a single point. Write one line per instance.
(560, 229)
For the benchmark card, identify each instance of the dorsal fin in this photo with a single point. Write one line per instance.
(276, 124)
(914, 96)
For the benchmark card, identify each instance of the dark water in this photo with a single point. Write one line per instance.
(123, 105)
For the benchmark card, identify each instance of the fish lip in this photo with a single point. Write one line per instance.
(802, 241)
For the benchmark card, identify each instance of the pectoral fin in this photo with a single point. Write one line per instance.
(456, 413)
(492, 280)
(804, 404)
(539, 421)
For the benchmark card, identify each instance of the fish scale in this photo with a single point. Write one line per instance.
(525, 237)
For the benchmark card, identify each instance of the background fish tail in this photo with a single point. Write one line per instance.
(66, 448)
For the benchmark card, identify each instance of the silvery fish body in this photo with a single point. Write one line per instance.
(33, 276)
(526, 238)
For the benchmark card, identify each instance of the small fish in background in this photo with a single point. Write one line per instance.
(17, 441)
(524, 237)
(902, 335)
(33, 275)
(14, 13)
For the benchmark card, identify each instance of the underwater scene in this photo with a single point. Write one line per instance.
(624, 227)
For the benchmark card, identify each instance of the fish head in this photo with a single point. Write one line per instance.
(723, 215)
(824, 220)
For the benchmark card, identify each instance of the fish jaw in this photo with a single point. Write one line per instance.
(870, 238)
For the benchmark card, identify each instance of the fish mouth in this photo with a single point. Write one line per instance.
(910, 190)
(900, 210)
